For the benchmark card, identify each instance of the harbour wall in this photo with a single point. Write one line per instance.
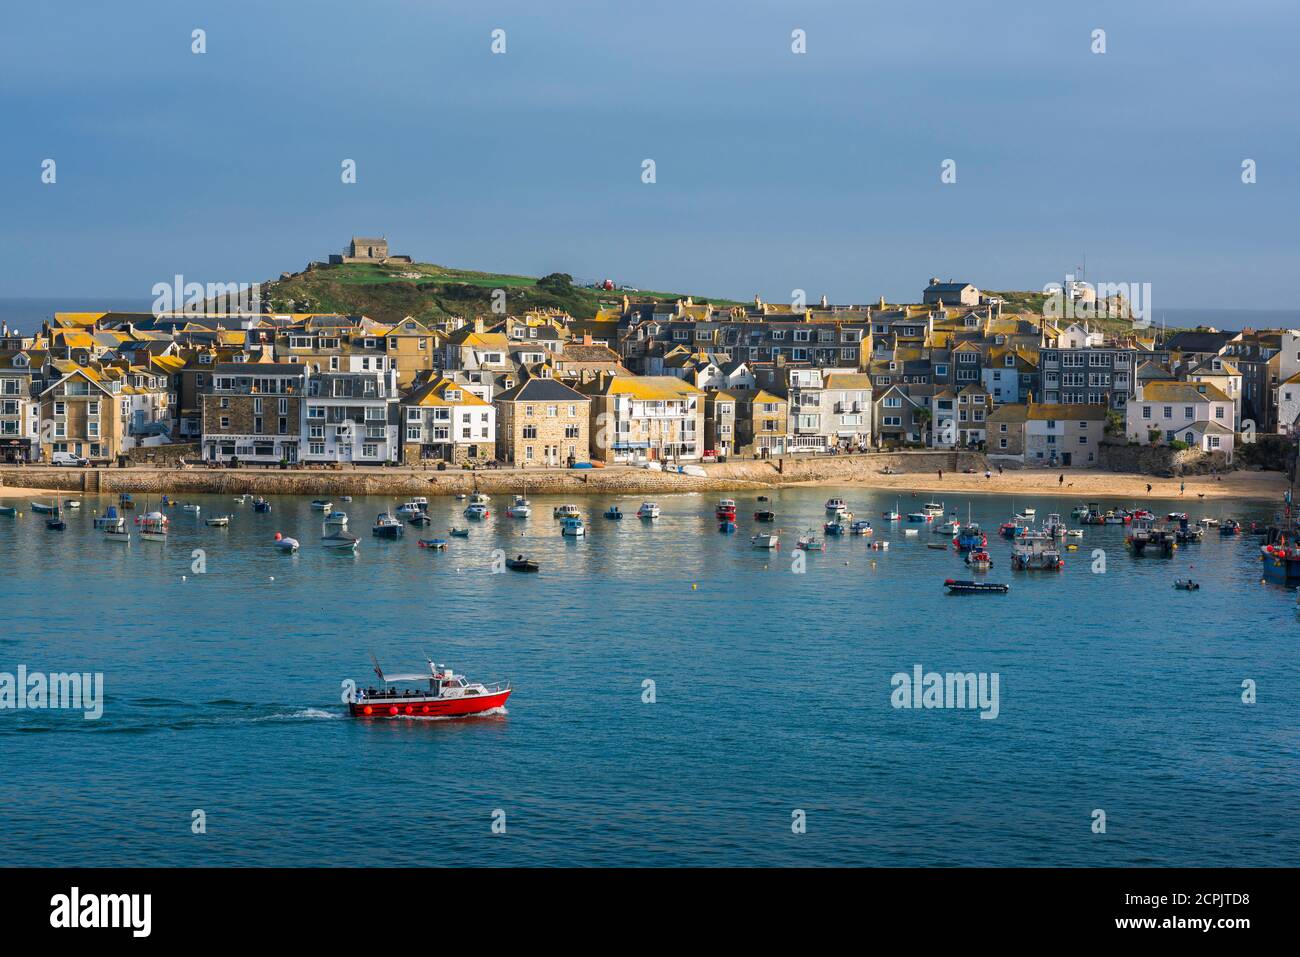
(733, 475)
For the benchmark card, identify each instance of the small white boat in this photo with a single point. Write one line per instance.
(72, 503)
(241, 499)
(1208, 522)
(286, 544)
(153, 527)
(948, 528)
(932, 509)
(911, 531)
(567, 511)
(407, 509)
(336, 519)
(111, 520)
(476, 510)
(811, 543)
(1029, 513)
(321, 505)
(478, 498)
(573, 528)
(217, 521)
(835, 505)
(345, 498)
(520, 508)
(648, 510)
(118, 534)
(766, 540)
(1074, 533)
(192, 509)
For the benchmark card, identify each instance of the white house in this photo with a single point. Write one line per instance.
(1197, 413)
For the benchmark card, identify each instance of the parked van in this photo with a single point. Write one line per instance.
(67, 458)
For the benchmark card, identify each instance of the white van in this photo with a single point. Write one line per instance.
(67, 458)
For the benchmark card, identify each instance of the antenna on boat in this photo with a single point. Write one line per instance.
(375, 661)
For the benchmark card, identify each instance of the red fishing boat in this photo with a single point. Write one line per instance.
(439, 693)
(725, 510)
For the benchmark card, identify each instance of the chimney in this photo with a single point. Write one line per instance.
(479, 325)
(586, 339)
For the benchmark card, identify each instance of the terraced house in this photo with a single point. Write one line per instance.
(543, 422)
(80, 412)
(444, 421)
(762, 423)
(352, 417)
(829, 409)
(19, 414)
(1196, 413)
(253, 412)
(645, 418)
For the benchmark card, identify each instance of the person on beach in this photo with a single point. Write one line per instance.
(987, 475)
(1148, 488)
(1181, 486)
(1060, 480)
(940, 475)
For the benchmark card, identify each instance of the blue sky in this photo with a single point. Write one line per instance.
(775, 171)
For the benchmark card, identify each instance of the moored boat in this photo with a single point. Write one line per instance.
(725, 509)
(765, 515)
(957, 587)
(339, 542)
(573, 528)
(217, 521)
(648, 510)
(861, 527)
(321, 505)
(8, 510)
(1035, 551)
(284, 544)
(979, 560)
(436, 544)
(455, 532)
(386, 526)
(566, 511)
(811, 543)
(1229, 528)
(261, 505)
(835, 505)
(336, 519)
(110, 519)
(446, 695)
(122, 535)
(520, 507)
(614, 513)
(40, 508)
(477, 511)
(765, 540)
(521, 564)
(190, 508)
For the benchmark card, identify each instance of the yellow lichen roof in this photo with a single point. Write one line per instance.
(435, 393)
(78, 318)
(645, 387)
(1161, 391)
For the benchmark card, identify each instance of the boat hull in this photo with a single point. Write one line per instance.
(425, 707)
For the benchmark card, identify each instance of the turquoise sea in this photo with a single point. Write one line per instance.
(772, 695)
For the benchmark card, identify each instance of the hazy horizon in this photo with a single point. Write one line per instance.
(774, 170)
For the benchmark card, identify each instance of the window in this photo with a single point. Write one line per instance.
(369, 451)
(1169, 412)
(1189, 412)
(412, 433)
(225, 421)
(1002, 443)
(1146, 411)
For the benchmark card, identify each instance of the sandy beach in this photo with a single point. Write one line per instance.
(11, 491)
(1081, 485)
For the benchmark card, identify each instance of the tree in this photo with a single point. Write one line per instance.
(556, 282)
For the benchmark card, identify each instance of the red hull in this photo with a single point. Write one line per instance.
(423, 707)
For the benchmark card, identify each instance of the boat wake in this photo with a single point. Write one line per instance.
(490, 713)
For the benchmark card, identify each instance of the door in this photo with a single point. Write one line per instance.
(1065, 459)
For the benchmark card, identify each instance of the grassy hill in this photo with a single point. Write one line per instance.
(389, 292)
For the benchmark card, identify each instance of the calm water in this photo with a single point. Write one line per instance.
(773, 693)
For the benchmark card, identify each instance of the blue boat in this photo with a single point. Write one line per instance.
(971, 537)
(261, 505)
(613, 513)
(726, 527)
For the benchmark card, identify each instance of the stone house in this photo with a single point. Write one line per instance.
(762, 423)
(544, 423)
(253, 412)
(645, 418)
(719, 423)
(79, 412)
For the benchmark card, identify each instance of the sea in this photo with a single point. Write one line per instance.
(680, 697)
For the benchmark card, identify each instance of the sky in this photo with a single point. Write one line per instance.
(774, 170)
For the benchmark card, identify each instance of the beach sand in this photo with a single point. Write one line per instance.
(1081, 485)
(14, 491)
